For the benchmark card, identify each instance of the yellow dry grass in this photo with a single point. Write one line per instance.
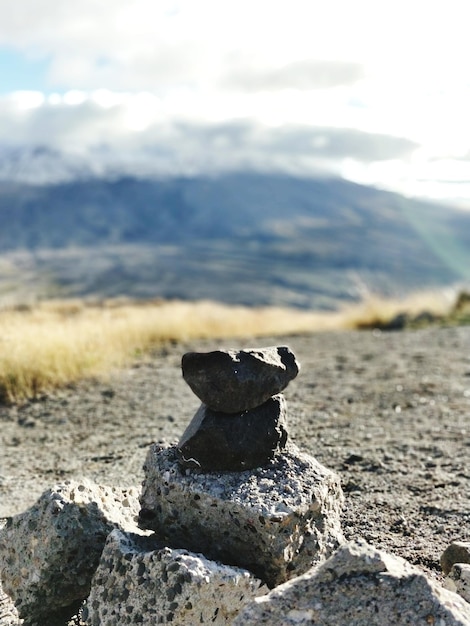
(376, 312)
(55, 343)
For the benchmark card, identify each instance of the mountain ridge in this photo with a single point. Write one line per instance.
(245, 238)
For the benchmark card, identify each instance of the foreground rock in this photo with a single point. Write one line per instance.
(49, 554)
(457, 552)
(458, 580)
(139, 583)
(8, 612)
(275, 521)
(232, 381)
(215, 441)
(358, 586)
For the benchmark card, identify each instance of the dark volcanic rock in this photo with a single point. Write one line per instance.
(215, 441)
(232, 381)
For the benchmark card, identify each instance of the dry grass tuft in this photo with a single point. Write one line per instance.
(378, 312)
(55, 343)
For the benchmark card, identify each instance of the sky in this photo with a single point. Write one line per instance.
(372, 90)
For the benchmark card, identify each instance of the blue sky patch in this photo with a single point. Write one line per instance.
(20, 72)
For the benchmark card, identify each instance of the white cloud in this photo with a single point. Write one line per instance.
(302, 75)
(148, 44)
(117, 133)
(248, 82)
(135, 133)
(24, 100)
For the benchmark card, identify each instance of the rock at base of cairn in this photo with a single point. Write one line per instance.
(8, 612)
(215, 441)
(359, 585)
(233, 381)
(139, 583)
(49, 553)
(275, 521)
(458, 580)
(456, 552)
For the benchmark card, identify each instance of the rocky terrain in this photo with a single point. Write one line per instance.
(389, 411)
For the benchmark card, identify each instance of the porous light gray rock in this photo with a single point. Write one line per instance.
(49, 553)
(458, 580)
(275, 521)
(235, 442)
(8, 612)
(232, 381)
(140, 583)
(358, 586)
(456, 552)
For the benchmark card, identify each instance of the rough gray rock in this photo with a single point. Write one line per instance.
(358, 586)
(458, 580)
(232, 381)
(140, 583)
(235, 442)
(49, 554)
(8, 612)
(456, 552)
(275, 521)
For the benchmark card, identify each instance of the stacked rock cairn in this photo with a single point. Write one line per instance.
(234, 488)
(233, 509)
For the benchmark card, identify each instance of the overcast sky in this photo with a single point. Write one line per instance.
(373, 90)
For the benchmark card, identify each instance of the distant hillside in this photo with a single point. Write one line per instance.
(246, 238)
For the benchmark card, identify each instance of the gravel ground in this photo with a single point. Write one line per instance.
(390, 412)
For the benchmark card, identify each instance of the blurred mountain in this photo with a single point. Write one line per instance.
(239, 238)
